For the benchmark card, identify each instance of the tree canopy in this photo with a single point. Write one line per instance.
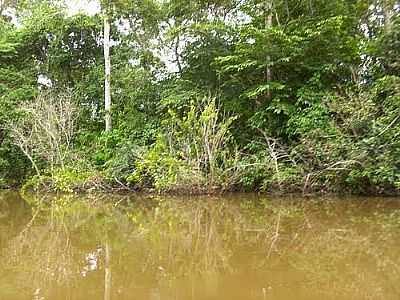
(222, 94)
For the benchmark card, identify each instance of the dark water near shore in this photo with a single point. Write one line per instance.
(204, 248)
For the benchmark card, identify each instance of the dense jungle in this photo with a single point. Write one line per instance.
(199, 150)
(281, 96)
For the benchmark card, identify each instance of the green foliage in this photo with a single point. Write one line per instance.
(17, 84)
(194, 153)
(158, 169)
(66, 181)
(313, 87)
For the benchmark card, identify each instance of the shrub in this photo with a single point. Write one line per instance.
(67, 180)
(46, 129)
(193, 153)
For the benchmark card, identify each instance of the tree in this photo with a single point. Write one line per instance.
(46, 129)
(284, 68)
(107, 70)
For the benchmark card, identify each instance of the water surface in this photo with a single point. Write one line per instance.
(199, 248)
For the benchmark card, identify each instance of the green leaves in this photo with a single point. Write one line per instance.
(260, 90)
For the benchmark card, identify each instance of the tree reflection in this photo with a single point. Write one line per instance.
(214, 248)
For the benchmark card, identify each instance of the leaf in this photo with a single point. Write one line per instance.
(262, 89)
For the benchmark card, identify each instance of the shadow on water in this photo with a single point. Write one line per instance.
(232, 247)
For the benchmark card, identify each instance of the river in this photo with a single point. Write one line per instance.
(241, 246)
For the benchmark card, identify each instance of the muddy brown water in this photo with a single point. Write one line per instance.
(200, 248)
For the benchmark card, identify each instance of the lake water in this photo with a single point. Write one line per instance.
(200, 248)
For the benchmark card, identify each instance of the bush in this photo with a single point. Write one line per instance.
(193, 153)
(68, 180)
(45, 129)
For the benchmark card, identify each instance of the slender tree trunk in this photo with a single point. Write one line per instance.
(177, 58)
(107, 80)
(387, 7)
(268, 24)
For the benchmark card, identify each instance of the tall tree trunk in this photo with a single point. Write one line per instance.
(387, 8)
(268, 24)
(177, 56)
(107, 80)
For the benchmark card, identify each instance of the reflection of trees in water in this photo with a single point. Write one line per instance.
(48, 253)
(178, 249)
(13, 214)
(41, 256)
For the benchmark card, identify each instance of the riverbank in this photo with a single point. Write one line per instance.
(198, 153)
(68, 183)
